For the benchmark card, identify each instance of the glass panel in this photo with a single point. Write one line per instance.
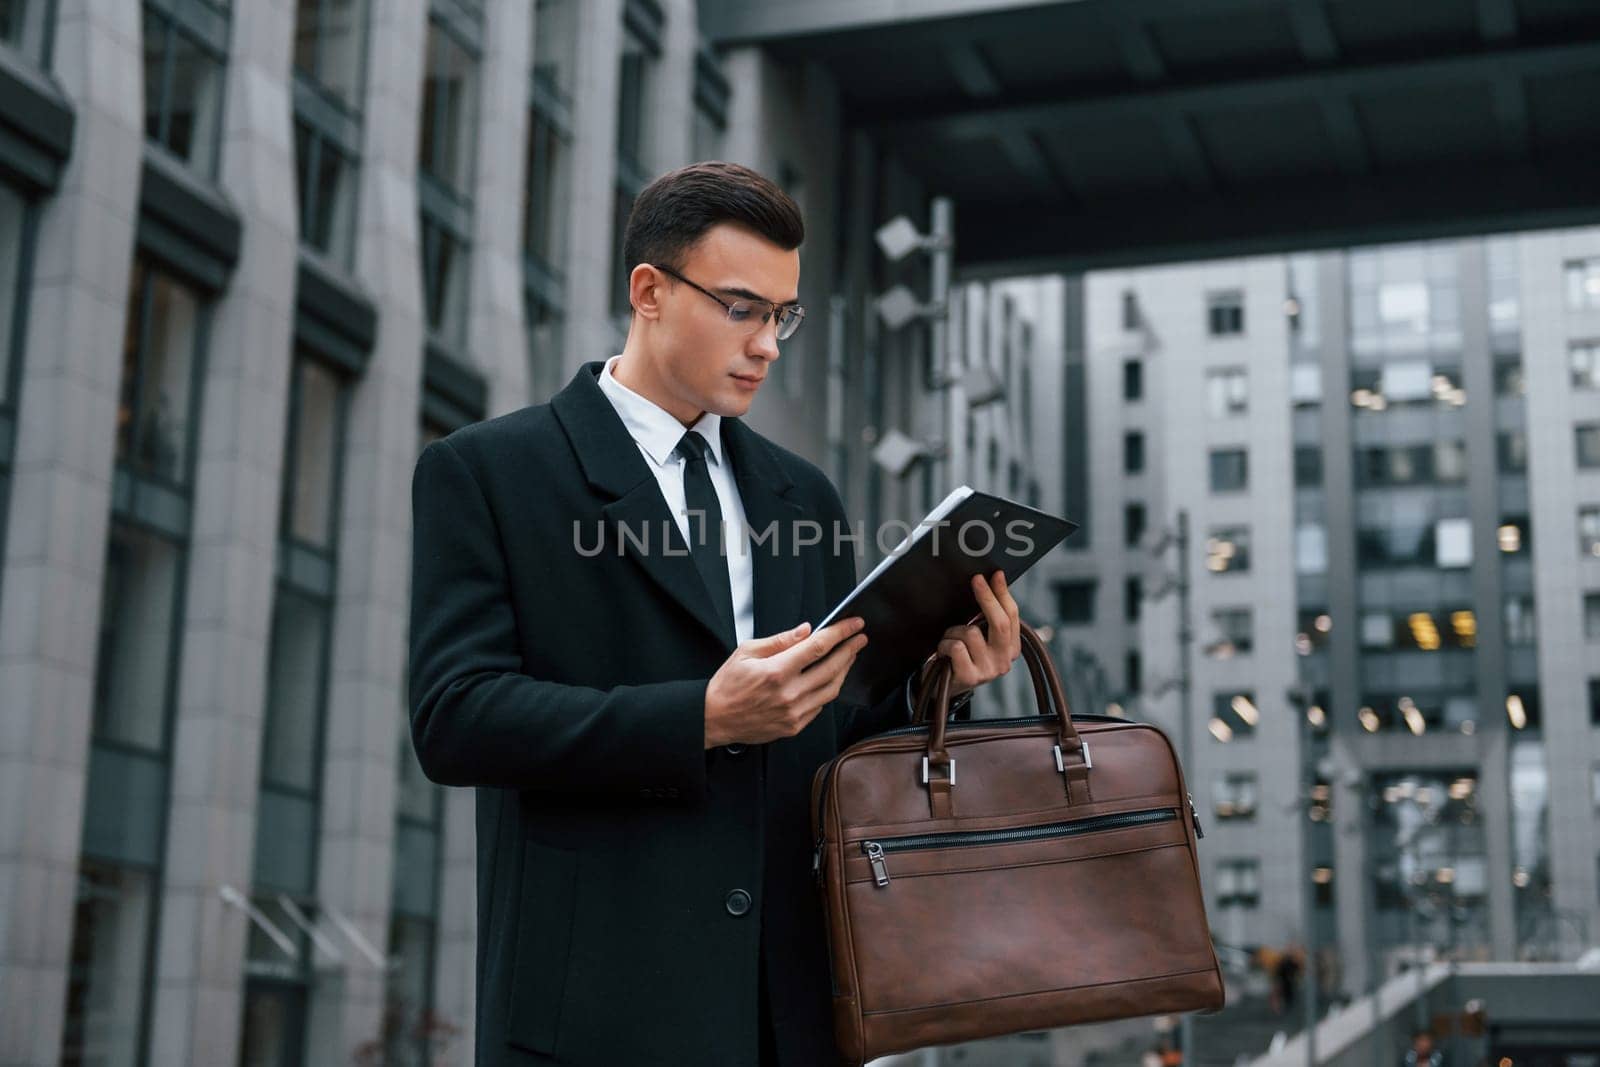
(554, 53)
(159, 349)
(294, 692)
(1588, 439)
(1229, 470)
(106, 980)
(273, 1025)
(312, 502)
(449, 111)
(1586, 364)
(12, 213)
(634, 92)
(328, 45)
(1310, 549)
(1591, 615)
(155, 37)
(407, 1020)
(1227, 393)
(1228, 549)
(327, 185)
(444, 269)
(547, 196)
(137, 624)
(1589, 531)
(544, 325)
(419, 798)
(193, 112)
(1583, 284)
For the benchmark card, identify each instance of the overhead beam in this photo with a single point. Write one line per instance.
(1313, 33)
(1143, 60)
(976, 76)
(961, 122)
(1005, 239)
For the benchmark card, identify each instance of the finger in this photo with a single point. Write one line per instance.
(964, 672)
(999, 621)
(1013, 612)
(831, 668)
(819, 644)
(761, 647)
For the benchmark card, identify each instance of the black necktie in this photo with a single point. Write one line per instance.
(705, 526)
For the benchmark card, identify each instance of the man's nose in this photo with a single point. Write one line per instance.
(764, 342)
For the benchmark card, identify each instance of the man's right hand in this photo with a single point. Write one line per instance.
(772, 687)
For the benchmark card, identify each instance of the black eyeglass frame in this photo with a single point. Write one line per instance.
(794, 313)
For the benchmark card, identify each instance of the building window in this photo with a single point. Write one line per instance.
(1588, 439)
(160, 368)
(330, 64)
(1235, 632)
(1132, 523)
(1452, 540)
(1225, 313)
(1442, 463)
(1512, 535)
(1589, 531)
(1236, 795)
(1511, 451)
(1228, 549)
(1075, 601)
(109, 966)
(1233, 715)
(1585, 364)
(1508, 377)
(1312, 629)
(447, 136)
(1133, 670)
(1305, 385)
(184, 57)
(1132, 597)
(25, 27)
(1591, 616)
(1133, 452)
(1594, 701)
(635, 93)
(1307, 465)
(711, 95)
(1238, 883)
(1520, 620)
(1227, 392)
(1311, 548)
(1130, 310)
(1230, 470)
(446, 144)
(1132, 379)
(1583, 284)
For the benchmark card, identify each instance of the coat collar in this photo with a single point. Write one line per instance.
(613, 467)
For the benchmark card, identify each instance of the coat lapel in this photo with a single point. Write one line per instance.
(612, 465)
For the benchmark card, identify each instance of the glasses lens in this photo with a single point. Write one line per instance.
(742, 313)
(789, 321)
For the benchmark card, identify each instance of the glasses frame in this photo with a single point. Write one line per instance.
(798, 311)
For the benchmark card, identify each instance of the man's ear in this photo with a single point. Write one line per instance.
(645, 286)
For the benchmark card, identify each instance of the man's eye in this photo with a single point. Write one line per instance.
(741, 311)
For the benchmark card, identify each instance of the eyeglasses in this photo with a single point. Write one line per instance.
(744, 312)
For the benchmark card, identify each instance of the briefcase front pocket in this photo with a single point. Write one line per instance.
(1038, 894)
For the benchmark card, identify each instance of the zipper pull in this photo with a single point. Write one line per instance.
(1195, 817)
(880, 871)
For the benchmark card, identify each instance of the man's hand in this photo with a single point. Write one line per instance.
(772, 687)
(978, 659)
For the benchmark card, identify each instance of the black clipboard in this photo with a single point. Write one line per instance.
(924, 586)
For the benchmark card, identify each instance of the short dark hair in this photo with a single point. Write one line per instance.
(674, 211)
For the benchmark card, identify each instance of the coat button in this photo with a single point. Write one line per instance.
(733, 749)
(738, 903)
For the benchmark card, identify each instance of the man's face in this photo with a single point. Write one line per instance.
(703, 361)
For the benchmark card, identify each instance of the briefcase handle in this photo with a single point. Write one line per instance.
(1072, 758)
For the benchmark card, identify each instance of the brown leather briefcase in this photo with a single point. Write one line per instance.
(1004, 875)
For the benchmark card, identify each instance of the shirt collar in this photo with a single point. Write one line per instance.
(656, 430)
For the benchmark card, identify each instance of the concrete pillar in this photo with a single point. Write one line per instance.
(59, 512)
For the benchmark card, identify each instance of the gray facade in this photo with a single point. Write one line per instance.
(1395, 437)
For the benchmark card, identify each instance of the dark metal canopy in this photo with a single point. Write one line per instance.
(1082, 134)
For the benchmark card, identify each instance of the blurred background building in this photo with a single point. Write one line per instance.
(1341, 507)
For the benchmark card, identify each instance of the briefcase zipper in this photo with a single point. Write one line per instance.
(1031, 720)
(875, 850)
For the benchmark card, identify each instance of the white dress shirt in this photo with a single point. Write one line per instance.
(657, 431)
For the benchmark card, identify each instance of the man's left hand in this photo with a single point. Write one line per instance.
(978, 657)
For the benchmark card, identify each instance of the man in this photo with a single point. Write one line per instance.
(639, 711)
